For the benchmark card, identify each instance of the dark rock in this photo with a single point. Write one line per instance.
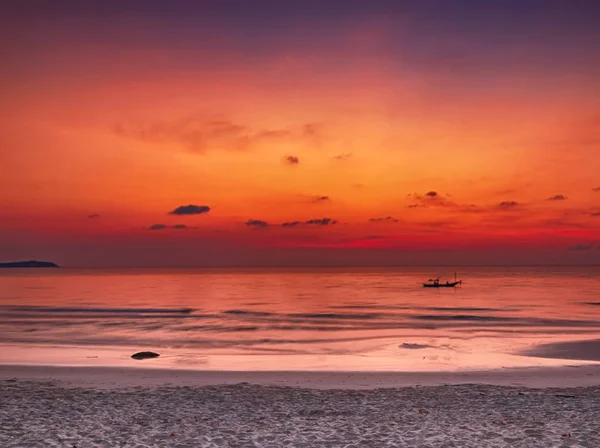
(414, 346)
(145, 355)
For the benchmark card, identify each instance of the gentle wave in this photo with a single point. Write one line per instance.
(292, 311)
(89, 310)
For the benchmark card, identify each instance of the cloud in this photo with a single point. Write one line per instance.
(93, 216)
(322, 199)
(291, 224)
(164, 226)
(558, 197)
(385, 219)
(190, 209)
(321, 221)
(597, 189)
(582, 247)
(199, 135)
(313, 132)
(430, 199)
(257, 223)
(279, 133)
(194, 135)
(291, 160)
(433, 199)
(343, 156)
(358, 186)
(311, 222)
(595, 214)
(508, 204)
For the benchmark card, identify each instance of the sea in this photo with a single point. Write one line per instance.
(322, 319)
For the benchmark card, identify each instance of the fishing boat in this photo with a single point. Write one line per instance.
(435, 283)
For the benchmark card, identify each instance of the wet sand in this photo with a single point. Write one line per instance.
(123, 378)
(577, 350)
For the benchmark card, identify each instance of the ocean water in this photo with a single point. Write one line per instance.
(296, 319)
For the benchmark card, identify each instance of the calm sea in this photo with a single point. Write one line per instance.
(286, 319)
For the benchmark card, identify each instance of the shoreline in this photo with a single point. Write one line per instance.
(384, 354)
(568, 376)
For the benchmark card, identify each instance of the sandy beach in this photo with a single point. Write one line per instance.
(108, 407)
(299, 359)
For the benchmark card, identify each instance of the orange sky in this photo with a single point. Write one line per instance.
(409, 136)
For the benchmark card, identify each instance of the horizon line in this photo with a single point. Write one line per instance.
(308, 266)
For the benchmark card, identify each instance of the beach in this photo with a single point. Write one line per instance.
(299, 358)
(109, 407)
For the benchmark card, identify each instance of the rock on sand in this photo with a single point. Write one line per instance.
(145, 355)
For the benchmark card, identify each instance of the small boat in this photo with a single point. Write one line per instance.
(435, 283)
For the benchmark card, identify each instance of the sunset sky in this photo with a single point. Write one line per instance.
(300, 133)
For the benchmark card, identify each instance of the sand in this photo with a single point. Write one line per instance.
(96, 407)
(576, 350)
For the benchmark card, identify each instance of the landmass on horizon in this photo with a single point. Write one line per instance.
(29, 264)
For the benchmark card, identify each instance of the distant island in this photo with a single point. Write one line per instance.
(29, 264)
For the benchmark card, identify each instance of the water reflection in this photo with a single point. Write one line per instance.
(379, 313)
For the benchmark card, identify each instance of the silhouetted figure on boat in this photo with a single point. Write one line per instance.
(435, 283)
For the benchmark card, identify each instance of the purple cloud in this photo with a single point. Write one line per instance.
(190, 209)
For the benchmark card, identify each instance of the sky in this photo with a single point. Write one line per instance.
(275, 133)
